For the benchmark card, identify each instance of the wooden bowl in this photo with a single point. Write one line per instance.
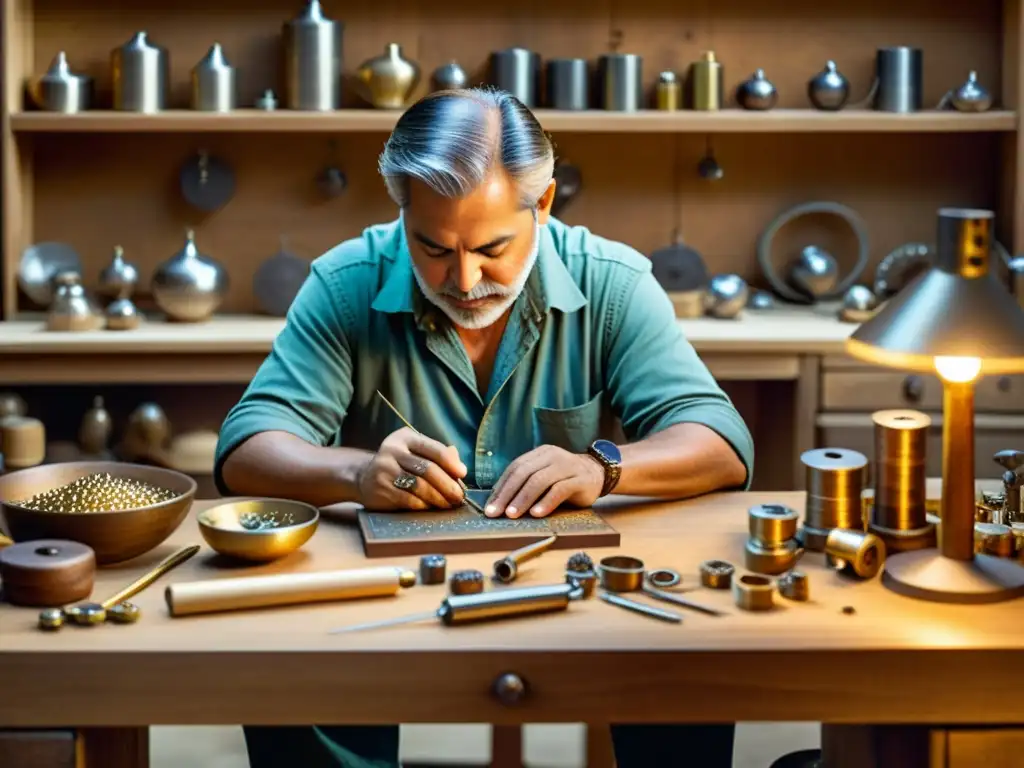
(225, 530)
(114, 536)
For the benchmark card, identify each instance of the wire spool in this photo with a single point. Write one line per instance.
(993, 539)
(772, 524)
(47, 573)
(855, 553)
(835, 482)
(898, 513)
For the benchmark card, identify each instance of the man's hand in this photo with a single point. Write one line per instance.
(425, 471)
(540, 481)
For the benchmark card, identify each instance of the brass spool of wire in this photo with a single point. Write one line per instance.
(898, 513)
(835, 482)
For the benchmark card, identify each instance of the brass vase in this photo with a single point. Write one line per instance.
(387, 81)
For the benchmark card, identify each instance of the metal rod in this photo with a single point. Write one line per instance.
(957, 529)
(145, 580)
(646, 610)
(506, 569)
(682, 602)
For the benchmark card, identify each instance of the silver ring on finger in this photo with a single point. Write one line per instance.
(404, 482)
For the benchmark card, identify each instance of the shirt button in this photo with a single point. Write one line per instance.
(486, 453)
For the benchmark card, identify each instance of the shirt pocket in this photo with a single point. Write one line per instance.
(573, 429)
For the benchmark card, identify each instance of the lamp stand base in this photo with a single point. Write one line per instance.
(926, 575)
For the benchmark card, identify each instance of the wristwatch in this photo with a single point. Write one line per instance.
(608, 455)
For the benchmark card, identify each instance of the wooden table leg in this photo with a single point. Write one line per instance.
(600, 753)
(506, 746)
(113, 748)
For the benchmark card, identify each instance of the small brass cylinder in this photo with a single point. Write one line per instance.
(707, 83)
(716, 574)
(771, 525)
(772, 560)
(753, 593)
(669, 92)
(856, 553)
(898, 513)
(993, 539)
(794, 586)
(22, 441)
(835, 483)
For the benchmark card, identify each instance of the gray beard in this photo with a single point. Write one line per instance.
(501, 296)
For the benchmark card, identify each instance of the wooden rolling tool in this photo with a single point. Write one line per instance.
(47, 572)
(216, 595)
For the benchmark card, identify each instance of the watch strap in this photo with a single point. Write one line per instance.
(612, 470)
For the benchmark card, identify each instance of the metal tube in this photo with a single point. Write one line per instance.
(506, 569)
(956, 534)
(504, 603)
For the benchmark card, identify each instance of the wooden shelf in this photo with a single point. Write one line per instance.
(593, 121)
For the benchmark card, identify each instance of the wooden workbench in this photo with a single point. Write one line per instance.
(893, 661)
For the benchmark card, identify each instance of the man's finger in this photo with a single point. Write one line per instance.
(555, 497)
(535, 486)
(511, 481)
(438, 486)
(446, 457)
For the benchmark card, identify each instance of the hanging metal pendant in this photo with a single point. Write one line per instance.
(207, 183)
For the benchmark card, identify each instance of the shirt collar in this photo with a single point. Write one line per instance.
(550, 285)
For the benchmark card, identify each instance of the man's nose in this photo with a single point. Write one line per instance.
(467, 272)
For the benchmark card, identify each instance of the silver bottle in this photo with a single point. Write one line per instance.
(757, 92)
(313, 60)
(449, 77)
(119, 278)
(60, 89)
(971, 96)
(141, 75)
(829, 89)
(213, 82)
(189, 287)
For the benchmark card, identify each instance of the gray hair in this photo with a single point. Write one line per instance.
(451, 141)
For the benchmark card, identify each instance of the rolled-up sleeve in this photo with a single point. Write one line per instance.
(304, 386)
(657, 380)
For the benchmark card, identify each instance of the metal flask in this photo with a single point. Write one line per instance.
(313, 60)
(141, 73)
(60, 89)
(213, 82)
(190, 286)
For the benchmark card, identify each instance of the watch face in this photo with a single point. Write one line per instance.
(609, 450)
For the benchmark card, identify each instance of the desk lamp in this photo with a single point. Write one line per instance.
(958, 321)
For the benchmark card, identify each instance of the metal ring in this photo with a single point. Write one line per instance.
(404, 482)
(754, 593)
(664, 577)
(764, 248)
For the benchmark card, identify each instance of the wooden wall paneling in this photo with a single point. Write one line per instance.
(1011, 210)
(16, 160)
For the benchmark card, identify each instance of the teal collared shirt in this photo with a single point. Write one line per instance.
(592, 344)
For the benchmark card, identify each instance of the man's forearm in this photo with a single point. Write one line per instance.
(679, 462)
(278, 464)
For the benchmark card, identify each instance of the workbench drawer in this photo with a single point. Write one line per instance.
(875, 390)
(992, 433)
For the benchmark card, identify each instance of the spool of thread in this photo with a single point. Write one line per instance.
(568, 84)
(898, 513)
(621, 79)
(22, 441)
(517, 70)
(47, 573)
(835, 482)
(217, 595)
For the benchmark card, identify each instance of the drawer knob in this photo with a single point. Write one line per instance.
(913, 388)
(1003, 384)
(510, 689)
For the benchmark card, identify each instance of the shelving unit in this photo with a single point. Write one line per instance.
(594, 121)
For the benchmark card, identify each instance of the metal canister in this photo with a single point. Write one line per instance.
(707, 83)
(517, 70)
(142, 75)
(568, 84)
(621, 81)
(900, 79)
(669, 92)
(313, 60)
(213, 82)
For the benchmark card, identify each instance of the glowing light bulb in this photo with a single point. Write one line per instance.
(958, 369)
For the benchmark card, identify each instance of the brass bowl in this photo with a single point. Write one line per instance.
(115, 536)
(225, 528)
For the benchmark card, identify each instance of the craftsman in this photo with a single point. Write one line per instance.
(509, 341)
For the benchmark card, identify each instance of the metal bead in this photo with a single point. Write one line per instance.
(99, 492)
(51, 619)
(124, 613)
(86, 614)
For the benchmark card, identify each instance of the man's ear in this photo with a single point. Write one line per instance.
(545, 202)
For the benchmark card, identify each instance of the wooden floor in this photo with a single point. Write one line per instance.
(547, 746)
